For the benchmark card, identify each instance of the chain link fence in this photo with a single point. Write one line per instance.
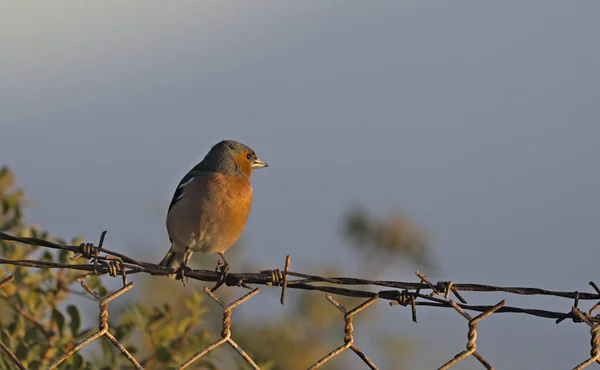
(404, 294)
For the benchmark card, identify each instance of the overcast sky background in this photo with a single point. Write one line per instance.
(479, 118)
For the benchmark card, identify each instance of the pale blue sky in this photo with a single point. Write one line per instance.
(480, 118)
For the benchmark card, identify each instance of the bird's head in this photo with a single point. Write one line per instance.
(231, 157)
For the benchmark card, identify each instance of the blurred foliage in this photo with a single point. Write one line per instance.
(164, 323)
(39, 325)
(381, 240)
(33, 323)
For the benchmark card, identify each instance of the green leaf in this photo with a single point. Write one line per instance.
(95, 283)
(184, 323)
(102, 291)
(46, 257)
(132, 349)
(62, 256)
(123, 330)
(107, 349)
(22, 350)
(18, 325)
(33, 335)
(33, 279)
(6, 338)
(209, 365)
(77, 362)
(5, 363)
(75, 319)
(59, 319)
(163, 354)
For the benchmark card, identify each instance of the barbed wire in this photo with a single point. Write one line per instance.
(103, 261)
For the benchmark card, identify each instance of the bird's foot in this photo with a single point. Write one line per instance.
(223, 267)
(180, 273)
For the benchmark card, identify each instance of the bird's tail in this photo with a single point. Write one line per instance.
(173, 260)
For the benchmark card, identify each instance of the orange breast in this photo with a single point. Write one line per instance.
(212, 212)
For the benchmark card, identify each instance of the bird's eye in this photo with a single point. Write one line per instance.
(249, 156)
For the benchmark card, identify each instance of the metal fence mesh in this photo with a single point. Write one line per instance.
(406, 294)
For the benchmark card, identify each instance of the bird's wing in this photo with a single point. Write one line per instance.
(194, 173)
(197, 171)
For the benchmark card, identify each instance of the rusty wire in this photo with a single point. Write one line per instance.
(225, 333)
(103, 324)
(103, 261)
(472, 336)
(348, 333)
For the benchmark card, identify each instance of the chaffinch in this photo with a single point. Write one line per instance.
(211, 204)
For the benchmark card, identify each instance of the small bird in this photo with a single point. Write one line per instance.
(211, 204)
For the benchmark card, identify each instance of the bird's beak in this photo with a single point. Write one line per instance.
(259, 164)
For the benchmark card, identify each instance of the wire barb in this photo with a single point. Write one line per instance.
(88, 251)
(424, 279)
(103, 261)
(288, 260)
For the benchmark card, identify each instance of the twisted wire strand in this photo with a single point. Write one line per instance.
(103, 261)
